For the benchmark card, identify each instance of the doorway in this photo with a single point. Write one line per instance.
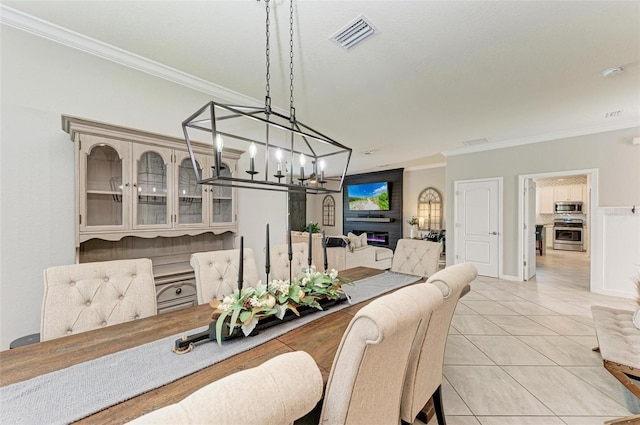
(478, 224)
(546, 183)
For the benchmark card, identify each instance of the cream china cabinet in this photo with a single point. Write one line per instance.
(137, 196)
(133, 183)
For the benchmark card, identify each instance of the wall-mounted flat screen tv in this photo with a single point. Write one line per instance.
(368, 197)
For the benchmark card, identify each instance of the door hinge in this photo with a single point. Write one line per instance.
(80, 219)
(525, 263)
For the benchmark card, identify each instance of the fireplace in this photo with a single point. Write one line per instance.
(374, 238)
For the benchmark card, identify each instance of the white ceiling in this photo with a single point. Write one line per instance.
(438, 74)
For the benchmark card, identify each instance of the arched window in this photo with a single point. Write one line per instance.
(430, 209)
(328, 211)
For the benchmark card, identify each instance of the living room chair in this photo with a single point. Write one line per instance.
(86, 296)
(416, 257)
(217, 272)
(280, 260)
(368, 371)
(275, 393)
(424, 372)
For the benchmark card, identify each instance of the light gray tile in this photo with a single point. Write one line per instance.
(473, 295)
(460, 420)
(566, 308)
(498, 295)
(527, 308)
(488, 307)
(463, 309)
(475, 325)
(490, 391)
(452, 403)
(508, 350)
(563, 392)
(453, 331)
(589, 341)
(562, 350)
(600, 379)
(519, 420)
(459, 351)
(584, 420)
(564, 325)
(585, 320)
(520, 325)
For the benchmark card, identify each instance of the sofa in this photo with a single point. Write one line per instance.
(348, 256)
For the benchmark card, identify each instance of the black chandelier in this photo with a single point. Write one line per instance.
(296, 157)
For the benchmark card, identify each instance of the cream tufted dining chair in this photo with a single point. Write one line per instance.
(280, 260)
(217, 272)
(424, 372)
(416, 257)
(366, 379)
(86, 296)
(277, 392)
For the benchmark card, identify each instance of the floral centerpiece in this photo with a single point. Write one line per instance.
(245, 308)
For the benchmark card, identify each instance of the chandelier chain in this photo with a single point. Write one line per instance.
(267, 51)
(291, 56)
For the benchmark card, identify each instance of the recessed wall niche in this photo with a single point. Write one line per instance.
(383, 227)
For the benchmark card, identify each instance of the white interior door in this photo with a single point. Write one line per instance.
(477, 226)
(529, 208)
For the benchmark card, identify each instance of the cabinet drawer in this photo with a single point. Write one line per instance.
(179, 305)
(176, 290)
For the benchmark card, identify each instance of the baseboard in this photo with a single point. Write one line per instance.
(510, 278)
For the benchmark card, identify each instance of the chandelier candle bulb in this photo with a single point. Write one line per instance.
(302, 161)
(219, 146)
(252, 159)
(322, 167)
(279, 159)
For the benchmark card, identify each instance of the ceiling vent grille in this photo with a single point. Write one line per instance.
(355, 33)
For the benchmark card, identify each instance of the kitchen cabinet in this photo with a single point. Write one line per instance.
(546, 198)
(134, 183)
(572, 192)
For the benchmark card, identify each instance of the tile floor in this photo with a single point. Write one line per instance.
(519, 353)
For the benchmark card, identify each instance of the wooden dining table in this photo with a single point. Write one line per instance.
(320, 338)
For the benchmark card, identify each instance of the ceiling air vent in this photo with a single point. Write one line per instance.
(354, 33)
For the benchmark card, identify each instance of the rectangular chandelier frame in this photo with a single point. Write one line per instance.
(300, 141)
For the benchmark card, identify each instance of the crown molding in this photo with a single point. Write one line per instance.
(58, 34)
(426, 167)
(541, 138)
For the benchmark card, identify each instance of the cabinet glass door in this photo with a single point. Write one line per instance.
(151, 206)
(103, 187)
(190, 205)
(222, 200)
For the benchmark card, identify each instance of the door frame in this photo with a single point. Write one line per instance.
(500, 238)
(592, 185)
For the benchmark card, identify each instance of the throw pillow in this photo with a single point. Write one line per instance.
(354, 240)
(363, 239)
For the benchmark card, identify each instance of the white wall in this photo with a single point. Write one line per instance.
(41, 80)
(314, 210)
(415, 181)
(617, 161)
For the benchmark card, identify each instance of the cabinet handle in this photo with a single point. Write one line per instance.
(493, 233)
(135, 185)
(126, 184)
(178, 291)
